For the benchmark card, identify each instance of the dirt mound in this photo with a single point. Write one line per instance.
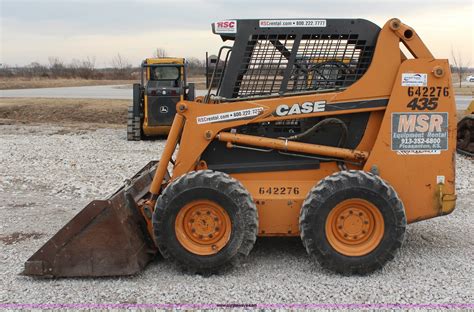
(64, 110)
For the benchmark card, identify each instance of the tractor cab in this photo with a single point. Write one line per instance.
(163, 85)
(164, 76)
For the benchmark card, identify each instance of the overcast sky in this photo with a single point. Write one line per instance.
(35, 30)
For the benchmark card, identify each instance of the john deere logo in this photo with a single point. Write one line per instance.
(163, 109)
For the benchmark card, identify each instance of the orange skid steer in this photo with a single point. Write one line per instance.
(318, 128)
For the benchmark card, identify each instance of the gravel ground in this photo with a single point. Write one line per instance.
(48, 173)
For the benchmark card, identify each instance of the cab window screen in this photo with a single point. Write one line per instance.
(165, 73)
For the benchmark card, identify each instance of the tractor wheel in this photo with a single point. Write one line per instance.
(205, 221)
(352, 222)
(134, 127)
(465, 136)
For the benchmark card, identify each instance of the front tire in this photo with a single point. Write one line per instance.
(205, 222)
(352, 222)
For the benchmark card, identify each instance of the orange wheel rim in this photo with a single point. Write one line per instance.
(203, 227)
(354, 227)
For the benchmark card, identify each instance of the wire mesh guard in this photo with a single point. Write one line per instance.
(285, 63)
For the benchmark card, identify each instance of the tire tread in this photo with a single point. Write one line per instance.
(341, 181)
(134, 131)
(231, 187)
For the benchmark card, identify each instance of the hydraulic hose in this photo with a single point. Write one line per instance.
(318, 126)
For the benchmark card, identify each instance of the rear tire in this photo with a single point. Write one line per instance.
(352, 222)
(134, 127)
(465, 136)
(205, 222)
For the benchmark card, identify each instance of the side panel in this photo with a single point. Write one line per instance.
(415, 148)
(280, 195)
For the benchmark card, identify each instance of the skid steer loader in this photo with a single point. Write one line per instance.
(163, 84)
(319, 128)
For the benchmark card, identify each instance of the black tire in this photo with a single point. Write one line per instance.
(217, 187)
(331, 191)
(465, 136)
(134, 127)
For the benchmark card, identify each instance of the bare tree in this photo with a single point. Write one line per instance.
(56, 66)
(83, 68)
(160, 52)
(195, 62)
(6, 71)
(122, 68)
(196, 66)
(460, 64)
(37, 70)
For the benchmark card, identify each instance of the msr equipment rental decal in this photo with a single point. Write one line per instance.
(419, 133)
(240, 114)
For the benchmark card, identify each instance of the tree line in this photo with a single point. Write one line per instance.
(118, 68)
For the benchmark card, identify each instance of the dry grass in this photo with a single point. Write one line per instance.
(33, 83)
(199, 81)
(25, 83)
(465, 90)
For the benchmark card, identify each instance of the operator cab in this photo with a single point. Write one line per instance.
(165, 86)
(279, 57)
(288, 57)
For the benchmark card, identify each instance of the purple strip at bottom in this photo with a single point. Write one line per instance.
(256, 306)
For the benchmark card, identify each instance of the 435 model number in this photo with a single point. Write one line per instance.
(423, 103)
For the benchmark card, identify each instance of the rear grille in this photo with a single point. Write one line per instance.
(161, 110)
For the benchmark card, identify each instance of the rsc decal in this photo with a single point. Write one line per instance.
(298, 109)
(225, 27)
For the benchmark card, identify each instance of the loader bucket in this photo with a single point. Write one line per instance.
(107, 238)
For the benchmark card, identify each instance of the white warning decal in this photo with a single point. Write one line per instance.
(414, 80)
(292, 23)
(240, 114)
